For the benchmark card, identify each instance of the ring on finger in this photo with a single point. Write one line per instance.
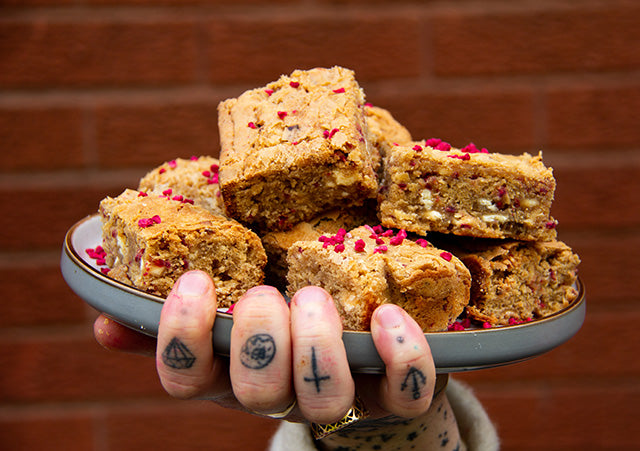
(279, 415)
(356, 413)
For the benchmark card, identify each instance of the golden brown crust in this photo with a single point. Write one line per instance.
(472, 194)
(150, 241)
(515, 281)
(432, 286)
(284, 143)
(195, 179)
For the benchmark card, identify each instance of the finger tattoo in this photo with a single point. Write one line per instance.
(258, 351)
(414, 380)
(177, 355)
(316, 379)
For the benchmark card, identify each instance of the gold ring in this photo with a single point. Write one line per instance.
(356, 413)
(279, 415)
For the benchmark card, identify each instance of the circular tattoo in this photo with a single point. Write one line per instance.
(258, 351)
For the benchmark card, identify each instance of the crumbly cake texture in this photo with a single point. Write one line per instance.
(193, 180)
(430, 186)
(277, 243)
(384, 131)
(295, 148)
(368, 267)
(516, 281)
(150, 241)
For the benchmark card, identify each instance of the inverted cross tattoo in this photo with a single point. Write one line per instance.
(314, 367)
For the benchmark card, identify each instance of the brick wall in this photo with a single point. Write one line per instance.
(95, 92)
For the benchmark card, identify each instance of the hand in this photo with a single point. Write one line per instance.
(280, 353)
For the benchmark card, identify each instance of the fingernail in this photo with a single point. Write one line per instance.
(261, 290)
(310, 296)
(193, 284)
(389, 316)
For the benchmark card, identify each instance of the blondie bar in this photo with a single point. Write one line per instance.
(295, 148)
(367, 267)
(151, 240)
(430, 186)
(515, 281)
(194, 180)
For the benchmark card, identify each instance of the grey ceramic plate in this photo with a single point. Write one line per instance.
(452, 351)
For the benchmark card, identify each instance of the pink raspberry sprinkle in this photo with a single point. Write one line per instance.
(193, 158)
(368, 104)
(142, 194)
(422, 242)
(432, 142)
(282, 114)
(190, 201)
(359, 245)
(101, 261)
(379, 240)
(213, 180)
(230, 309)
(456, 326)
(443, 146)
(148, 222)
(269, 91)
(172, 164)
(214, 168)
(105, 271)
(378, 229)
(387, 233)
(179, 198)
(550, 225)
(167, 192)
(399, 238)
(252, 125)
(486, 325)
(446, 255)
(339, 247)
(294, 84)
(162, 171)
(464, 157)
(329, 134)
(380, 249)
(207, 174)
(339, 90)
(417, 148)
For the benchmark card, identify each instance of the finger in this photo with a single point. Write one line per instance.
(116, 337)
(260, 353)
(407, 387)
(184, 357)
(322, 380)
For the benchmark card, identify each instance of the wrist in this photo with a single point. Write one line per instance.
(435, 429)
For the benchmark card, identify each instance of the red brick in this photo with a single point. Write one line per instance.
(53, 431)
(606, 269)
(188, 425)
(257, 51)
(45, 54)
(561, 418)
(46, 214)
(597, 195)
(72, 368)
(535, 41)
(594, 117)
(148, 135)
(498, 119)
(30, 135)
(48, 302)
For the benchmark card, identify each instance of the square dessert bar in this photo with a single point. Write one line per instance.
(430, 186)
(369, 266)
(277, 243)
(295, 148)
(194, 181)
(151, 240)
(515, 281)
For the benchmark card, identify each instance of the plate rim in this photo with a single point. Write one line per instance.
(359, 338)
